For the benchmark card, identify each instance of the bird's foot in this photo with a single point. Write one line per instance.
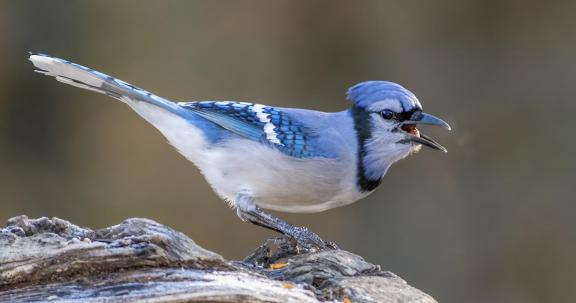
(305, 239)
(309, 241)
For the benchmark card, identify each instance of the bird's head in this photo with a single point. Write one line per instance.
(385, 116)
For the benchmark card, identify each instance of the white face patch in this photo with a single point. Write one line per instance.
(383, 150)
(271, 135)
(391, 104)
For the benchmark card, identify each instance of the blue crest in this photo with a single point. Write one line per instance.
(367, 93)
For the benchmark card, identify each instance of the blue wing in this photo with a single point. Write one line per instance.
(260, 123)
(280, 129)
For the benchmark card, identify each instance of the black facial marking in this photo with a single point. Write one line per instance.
(403, 107)
(362, 125)
(402, 116)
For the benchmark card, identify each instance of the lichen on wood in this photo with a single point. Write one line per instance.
(140, 260)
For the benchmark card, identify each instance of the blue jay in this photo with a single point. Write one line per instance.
(258, 156)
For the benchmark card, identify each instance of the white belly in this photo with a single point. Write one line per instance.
(278, 181)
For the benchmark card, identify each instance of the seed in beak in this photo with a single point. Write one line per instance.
(411, 129)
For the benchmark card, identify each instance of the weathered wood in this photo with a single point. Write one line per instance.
(140, 260)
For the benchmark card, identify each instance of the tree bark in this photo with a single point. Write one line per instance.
(139, 260)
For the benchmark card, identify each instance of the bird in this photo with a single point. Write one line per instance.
(260, 157)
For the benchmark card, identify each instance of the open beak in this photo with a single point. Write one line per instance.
(414, 135)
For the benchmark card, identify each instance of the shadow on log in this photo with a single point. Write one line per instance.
(139, 260)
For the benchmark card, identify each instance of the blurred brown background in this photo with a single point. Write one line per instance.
(491, 221)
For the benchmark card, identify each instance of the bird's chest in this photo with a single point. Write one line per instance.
(279, 181)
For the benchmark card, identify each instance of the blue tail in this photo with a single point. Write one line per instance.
(87, 78)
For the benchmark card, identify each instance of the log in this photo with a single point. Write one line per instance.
(139, 260)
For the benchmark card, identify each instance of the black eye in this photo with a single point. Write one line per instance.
(387, 114)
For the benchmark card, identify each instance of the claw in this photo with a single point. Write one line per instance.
(332, 245)
(308, 240)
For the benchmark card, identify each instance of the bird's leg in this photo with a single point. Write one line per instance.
(248, 211)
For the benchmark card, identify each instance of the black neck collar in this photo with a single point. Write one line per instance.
(363, 128)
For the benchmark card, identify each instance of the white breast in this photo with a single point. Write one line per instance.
(278, 181)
